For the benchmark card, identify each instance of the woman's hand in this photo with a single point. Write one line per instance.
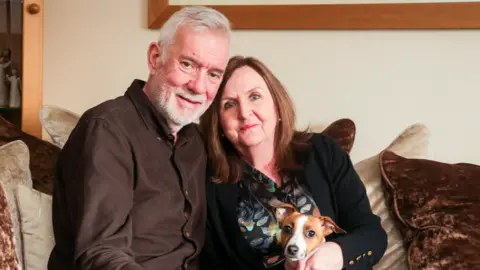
(328, 256)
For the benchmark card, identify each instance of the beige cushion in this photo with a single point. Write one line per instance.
(35, 210)
(14, 170)
(58, 123)
(413, 143)
(15, 162)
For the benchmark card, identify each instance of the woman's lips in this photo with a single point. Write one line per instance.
(246, 127)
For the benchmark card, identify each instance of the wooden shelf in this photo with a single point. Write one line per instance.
(8, 109)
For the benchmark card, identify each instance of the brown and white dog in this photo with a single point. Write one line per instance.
(301, 234)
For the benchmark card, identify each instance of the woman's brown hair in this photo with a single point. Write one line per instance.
(224, 161)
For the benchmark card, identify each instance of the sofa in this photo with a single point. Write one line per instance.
(429, 209)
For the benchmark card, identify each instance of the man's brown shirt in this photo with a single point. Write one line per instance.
(126, 197)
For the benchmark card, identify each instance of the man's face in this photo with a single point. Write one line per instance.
(185, 84)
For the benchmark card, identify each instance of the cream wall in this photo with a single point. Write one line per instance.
(383, 80)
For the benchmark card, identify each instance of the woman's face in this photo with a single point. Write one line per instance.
(248, 115)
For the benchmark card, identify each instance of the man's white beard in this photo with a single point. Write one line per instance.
(165, 103)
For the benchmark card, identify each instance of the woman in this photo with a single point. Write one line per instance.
(255, 156)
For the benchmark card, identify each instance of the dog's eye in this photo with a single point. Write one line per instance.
(287, 229)
(310, 233)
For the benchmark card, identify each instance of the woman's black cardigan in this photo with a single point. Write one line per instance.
(338, 192)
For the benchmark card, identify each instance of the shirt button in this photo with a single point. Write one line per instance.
(187, 233)
(186, 192)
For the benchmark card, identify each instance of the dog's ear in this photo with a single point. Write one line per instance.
(282, 210)
(330, 226)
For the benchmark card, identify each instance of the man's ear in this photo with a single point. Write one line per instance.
(154, 54)
(330, 226)
(282, 210)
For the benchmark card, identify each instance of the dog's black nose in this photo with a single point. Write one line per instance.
(292, 250)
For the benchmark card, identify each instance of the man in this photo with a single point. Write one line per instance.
(129, 187)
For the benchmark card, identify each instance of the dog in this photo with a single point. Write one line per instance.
(301, 234)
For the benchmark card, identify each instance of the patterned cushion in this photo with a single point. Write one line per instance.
(43, 155)
(8, 256)
(14, 171)
(343, 132)
(438, 210)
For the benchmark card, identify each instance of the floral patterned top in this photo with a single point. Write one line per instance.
(256, 217)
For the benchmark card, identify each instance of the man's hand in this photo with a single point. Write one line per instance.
(328, 256)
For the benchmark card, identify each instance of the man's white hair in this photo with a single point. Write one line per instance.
(198, 18)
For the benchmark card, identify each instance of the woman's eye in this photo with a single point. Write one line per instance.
(228, 105)
(254, 96)
(310, 234)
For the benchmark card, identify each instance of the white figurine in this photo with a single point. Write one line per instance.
(4, 63)
(15, 86)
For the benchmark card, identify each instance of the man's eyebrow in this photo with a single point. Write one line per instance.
(218, 70)
(197, 63)
(191, 59)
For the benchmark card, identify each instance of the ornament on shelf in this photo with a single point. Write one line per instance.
(5, 61)
(15, 88)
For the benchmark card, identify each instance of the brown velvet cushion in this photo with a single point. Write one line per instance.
(43, 155)
(8, 255)
(343, 132)
(438, 208)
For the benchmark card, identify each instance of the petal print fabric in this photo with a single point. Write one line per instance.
(256, 217)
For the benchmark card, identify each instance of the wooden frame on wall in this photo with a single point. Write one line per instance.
(444, 15)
